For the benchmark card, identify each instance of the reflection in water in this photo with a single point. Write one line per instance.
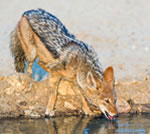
(77, 125)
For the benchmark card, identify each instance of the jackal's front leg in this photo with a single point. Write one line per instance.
(85, 106)
(54, 83)
(86, 109)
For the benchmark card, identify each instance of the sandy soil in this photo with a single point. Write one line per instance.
(119, 30)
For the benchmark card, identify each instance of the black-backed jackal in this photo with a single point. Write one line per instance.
(41, 35)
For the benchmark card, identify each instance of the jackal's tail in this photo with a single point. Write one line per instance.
(17, 51)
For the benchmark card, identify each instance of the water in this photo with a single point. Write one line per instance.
(38, 73)
(125, 124)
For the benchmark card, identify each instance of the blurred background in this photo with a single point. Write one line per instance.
(119, 30)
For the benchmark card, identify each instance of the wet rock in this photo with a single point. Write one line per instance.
(141, 108)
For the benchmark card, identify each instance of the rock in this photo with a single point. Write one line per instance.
(123, 106)
(20, 96)
(135, 95)
(141, 108)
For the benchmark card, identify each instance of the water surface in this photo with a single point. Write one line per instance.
(138, 124)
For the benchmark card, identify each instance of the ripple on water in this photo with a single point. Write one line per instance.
(78, 125)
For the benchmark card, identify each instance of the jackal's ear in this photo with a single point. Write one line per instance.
(109, 75)
(90, 80)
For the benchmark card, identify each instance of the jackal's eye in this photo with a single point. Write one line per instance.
(107, 101)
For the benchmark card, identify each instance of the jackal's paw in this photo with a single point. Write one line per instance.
(49, 113)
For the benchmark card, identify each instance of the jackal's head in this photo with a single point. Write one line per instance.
(101, 92)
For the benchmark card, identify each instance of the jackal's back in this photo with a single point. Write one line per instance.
(50, 30)
(56, 37)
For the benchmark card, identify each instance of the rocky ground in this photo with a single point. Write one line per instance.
(118, 30)
(19, 96)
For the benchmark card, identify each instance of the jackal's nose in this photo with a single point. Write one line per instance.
(117, 115)
(114, 117)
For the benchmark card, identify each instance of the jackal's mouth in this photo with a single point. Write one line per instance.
(108, 116)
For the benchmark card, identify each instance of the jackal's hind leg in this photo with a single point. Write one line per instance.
(26, 37)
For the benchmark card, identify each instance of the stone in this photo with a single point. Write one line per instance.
(21, 96)
(123, 106)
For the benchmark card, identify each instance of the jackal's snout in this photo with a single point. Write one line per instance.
(110, 112)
